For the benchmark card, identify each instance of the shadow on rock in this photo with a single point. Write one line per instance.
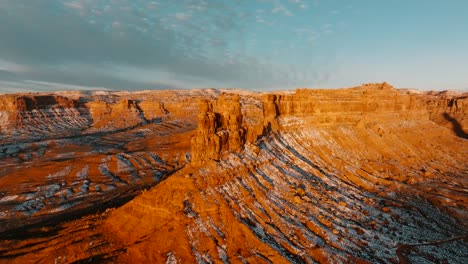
(457, 127)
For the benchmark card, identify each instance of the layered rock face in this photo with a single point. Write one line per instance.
(206, 144)
(359, 105)
(41, 114)
(122, 114)
(218, 132)
(224, 130)
(449, 111)
(24, 117)
(153, 110)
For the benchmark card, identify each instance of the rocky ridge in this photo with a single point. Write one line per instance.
(361, 106)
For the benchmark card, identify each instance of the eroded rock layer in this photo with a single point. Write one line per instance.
(370, 174)
(72, 154)
(356, 106)
(306, 196)
(218, 132)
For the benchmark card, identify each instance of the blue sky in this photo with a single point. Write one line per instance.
(250, 44)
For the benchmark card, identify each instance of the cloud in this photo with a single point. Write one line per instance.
(74, 5)
(281, 9)
(38, 86)
(182, 16)
(299, 3)
(89, 43)
(12, 67)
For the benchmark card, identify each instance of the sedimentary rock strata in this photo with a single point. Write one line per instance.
(370, 174)
(218, 132)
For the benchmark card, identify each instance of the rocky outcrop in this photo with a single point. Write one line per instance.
(222, 128)
(449, 110)
(271, 111)
(123, 114)
(40, 113)
(218, 132)
(153, 110)
(230, 119)
(359, 105)
(206, 143)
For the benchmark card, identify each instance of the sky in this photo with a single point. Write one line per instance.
(48, 45)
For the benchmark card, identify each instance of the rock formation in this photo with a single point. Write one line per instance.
(206, 144)
(24, 113)
(231, 130)
(153, 110)
(346, 106)
(370, 174)
(219, 132)
(125, 113)
(449, 111)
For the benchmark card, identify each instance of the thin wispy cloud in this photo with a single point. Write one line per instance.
(281, 9)
(74, 5)
(182, 16)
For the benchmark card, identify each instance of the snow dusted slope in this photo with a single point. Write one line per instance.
(329, 195)
(73, 155)
(370, 174)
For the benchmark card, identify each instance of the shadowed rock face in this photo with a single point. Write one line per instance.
(370, 174)
(449, 111)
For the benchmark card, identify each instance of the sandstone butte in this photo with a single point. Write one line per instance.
(370, 174)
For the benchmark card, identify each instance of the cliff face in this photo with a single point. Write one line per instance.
(41, 113)
(224, 129)
(218, 132)
(449, 111)
(360, 105)
(123, 114)
(43, 116)
(206, 143)
(153, 110)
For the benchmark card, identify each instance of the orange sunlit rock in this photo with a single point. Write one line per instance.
(370, 174)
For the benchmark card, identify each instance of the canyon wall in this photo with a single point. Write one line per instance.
(121, 114)
(41, 113)
(227, 128)
(369, 174)
(449, 111)
(362, 175)
(42, 116)
(360, 105)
